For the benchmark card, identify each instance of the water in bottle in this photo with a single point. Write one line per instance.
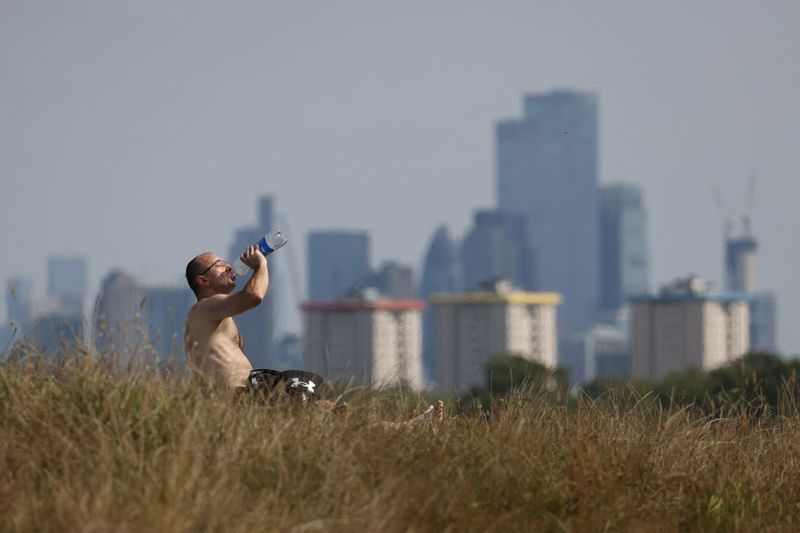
(267, 244)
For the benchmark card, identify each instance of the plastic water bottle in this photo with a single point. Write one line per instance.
(268, 244)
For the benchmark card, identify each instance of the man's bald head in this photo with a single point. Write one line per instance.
(195, 267)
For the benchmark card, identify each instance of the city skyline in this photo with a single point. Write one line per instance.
(136, 153)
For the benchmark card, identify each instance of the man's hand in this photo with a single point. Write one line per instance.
(253, 258)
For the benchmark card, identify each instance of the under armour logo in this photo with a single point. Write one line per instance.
(309, 385)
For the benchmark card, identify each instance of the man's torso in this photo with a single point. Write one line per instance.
(214, 350)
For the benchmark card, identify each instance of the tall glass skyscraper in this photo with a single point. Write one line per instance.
(258, 325)
(67, 281)
(547, 171)
(337, 260)
(497, 247)
(624, 265)
(441, 273)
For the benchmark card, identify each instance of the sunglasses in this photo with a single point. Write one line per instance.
(218, 262)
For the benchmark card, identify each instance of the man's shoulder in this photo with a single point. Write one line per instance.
(201, 307)
(208, 308)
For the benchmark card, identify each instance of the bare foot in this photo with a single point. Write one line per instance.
(431, 414)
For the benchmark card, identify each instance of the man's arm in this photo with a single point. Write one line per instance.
(252, 294)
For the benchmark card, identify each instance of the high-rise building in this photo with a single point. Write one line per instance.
(498, 319)
(53, 332)
(393, 280)
(257, 326)
(134, 318)
(740, 263)
(763, 321)
(118, 311)
(337, 261)
(623, 246)
(164, 316)
(497, 247)
(547, 171)
(441, 273)
(67, 281)
(19, 297)
(600, 352)
(741, 276)
(687, 326)
(289, 352)
(365, 338)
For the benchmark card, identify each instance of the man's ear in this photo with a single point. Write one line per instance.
(202, 281)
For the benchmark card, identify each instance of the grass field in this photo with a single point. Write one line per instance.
(89, 449)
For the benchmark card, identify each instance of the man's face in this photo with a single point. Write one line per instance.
(217, 274)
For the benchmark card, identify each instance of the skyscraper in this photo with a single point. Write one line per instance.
(547, 171)
(19, 296)
(741, 275)
(740, 263)
(337, 260)
(763, 320)
(394, 280)
(132, 318)
(257, 326)
(164, 316)
(441, 273)
(623, 251)
(118, 315)
(67, 280)
(497, 247)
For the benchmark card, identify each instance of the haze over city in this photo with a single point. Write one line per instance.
(141, 134)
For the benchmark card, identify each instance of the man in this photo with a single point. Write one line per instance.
(212, 341)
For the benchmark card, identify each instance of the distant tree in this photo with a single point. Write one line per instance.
(505, 372)
(756, 379)
(616, 387)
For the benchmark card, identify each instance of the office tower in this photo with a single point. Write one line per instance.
(741, 276)
(600, 352)
(547, 171)
(19, 295)
(164, 317)
(67, 281)
(441, 273)
(257, 326)
(289, 352)
(609, 350)
(763, 320)
(55, 332)
(365, 338)
(118, 311)
(498, 319)
(623, 246)
(337, 261)
(687, 326)
(394, 280)
(740, 263)
(497, 247)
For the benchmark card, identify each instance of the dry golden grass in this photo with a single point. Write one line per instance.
(85, 448)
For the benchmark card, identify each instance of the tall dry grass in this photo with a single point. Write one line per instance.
(86, 447)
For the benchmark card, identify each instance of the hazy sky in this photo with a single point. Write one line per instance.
(141, 133)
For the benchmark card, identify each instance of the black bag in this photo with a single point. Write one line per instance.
(299, 384)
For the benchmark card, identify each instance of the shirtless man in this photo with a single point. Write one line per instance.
(212, 341)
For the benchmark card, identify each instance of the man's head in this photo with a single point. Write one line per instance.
(209, 274)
